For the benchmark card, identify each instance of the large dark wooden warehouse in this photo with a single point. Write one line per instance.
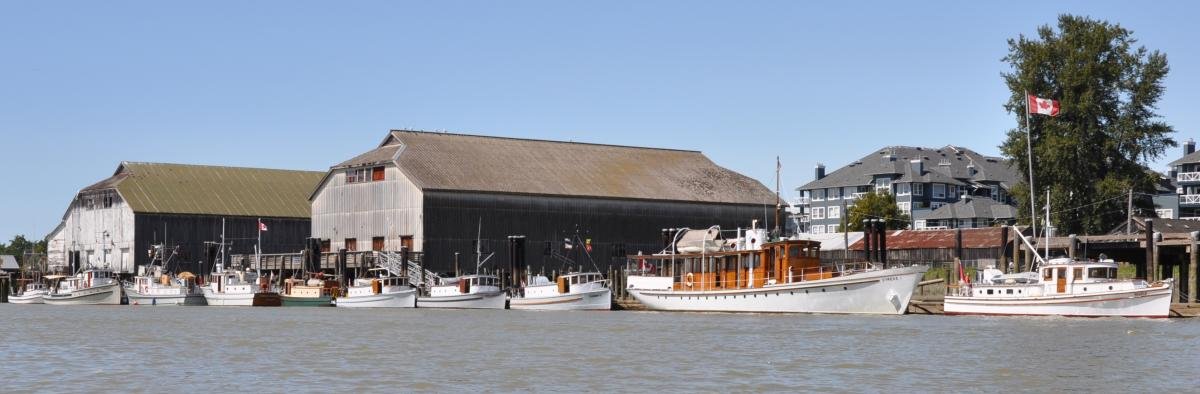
(433, 191)
(116, 221)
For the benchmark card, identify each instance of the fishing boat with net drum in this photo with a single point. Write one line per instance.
(749, 274)
(157, 287)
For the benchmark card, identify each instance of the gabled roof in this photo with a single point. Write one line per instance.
(1193, 157)
(939, 164)
(460, 162)
(9, 263)
(212, 190)
(973, 207)
(1160, 225)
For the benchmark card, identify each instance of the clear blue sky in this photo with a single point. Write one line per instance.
(304, 85)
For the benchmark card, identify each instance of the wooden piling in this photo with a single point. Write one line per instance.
(1191, 278)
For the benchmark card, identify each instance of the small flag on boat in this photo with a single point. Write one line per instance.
(567, 244)
(587, 244)
(262, 226)
(1041, 106)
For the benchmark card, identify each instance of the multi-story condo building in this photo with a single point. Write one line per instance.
(1184, 175)
(922, 179)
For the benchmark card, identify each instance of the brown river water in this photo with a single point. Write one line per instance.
(216, 350)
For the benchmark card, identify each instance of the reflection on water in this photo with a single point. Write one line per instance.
(119, 348)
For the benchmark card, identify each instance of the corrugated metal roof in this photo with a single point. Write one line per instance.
(213, 190)
(8, 262)
(973, 238)
(445, 161)
(972, 208)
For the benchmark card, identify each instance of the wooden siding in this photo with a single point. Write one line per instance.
(390, 208)
(190, 232)
(100, 235)
(616, 227)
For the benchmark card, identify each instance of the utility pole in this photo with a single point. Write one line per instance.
(1129, 213)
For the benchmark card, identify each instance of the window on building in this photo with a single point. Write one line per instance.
(936, 205)
(357, 175)
(835, 212)
(965, 223)
(818, 229)
(918, 189)
(351, 245)
(905, 207)
(919, 224)
(883, 184)
(903, 189)
(108, 201)
(819, 195)
(325, 246)
(995, 192)
(818, 213)
(1165, 213)
(377, 174)
(377, 244)
(833, 228)
(88, 203)
(953, 191)
(939, 190)
(835, 193)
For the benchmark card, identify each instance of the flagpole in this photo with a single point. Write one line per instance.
(1029, 153)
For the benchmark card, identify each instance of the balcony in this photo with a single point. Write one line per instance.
(1189, 199)
(802, 201)
(803, 218)
(855, 196)
(1188, 177)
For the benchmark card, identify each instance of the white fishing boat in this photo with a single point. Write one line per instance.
(383, 291)
(89, 287)
(234, 287)
(749, 275)
(156, 287)
(465, 292)
(31, 294)
(165, 290)
(574, 291)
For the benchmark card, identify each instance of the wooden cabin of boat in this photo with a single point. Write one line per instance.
(774, 263)
(315, 287)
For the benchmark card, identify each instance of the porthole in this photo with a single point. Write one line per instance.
(845, 288)
(1110, 287)
(1018, 292)
(1084, 289)
(792, 293)
(822, 290)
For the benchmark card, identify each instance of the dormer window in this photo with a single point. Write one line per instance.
(365, 174)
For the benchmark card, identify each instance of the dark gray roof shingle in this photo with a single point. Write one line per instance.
(937, 163)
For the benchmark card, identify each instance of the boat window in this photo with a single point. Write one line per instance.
(1099, 273)
(1046, 274)
(794, 251)
(1062, 273)
(1009, 291)
(989, 291)
(1078, 274)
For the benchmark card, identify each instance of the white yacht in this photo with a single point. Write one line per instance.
(31, 293)
(574, 291)
(89, 287)
(383, 291)
(465, 292)
(1062, 287)
(749, 275)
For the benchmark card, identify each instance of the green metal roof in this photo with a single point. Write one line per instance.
(213, 190)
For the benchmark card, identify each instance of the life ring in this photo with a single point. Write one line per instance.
(688, 282)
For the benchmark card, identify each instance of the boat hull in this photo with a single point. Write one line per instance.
(101, 295)
(219, 299)
(496, 300)
(404, 299)
(164, 300)
(881, 292)
(32, 298)
(591, 300)
(1151, 302)
(306, 301)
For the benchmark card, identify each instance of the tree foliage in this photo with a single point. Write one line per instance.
(1096, 149)
(874, 205)
(19, 245)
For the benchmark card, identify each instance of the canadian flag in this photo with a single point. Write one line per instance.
(262, 226)
(1041, 106)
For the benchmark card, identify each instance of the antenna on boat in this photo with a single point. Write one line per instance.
(479, 260)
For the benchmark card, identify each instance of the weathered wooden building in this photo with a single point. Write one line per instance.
(116, 221)
(434, 192)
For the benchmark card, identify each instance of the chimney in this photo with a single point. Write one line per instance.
(819, 172)
(917, 166)
(1189, 146)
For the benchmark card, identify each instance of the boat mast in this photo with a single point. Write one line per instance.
(1047, 227)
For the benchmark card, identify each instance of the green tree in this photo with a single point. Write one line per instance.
(874, 205)
(1096, 149)
(19, 245)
